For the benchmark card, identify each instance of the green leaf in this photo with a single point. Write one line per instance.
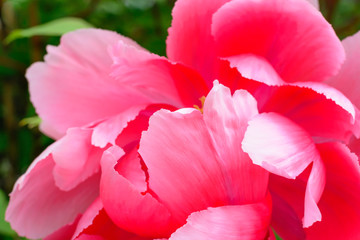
(53, 28)
(31, 122)
(276, 235)
(5, 228)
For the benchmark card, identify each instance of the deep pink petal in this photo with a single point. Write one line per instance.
(88, 217)
(102, 228)
(36, 199)
(180, 157)
(249, 221)
(347, 80)
(339, 204)
(193, 163)
(95, 224)
(285, 220)
(76, 159)
(124, 203)
(190, 40)
(312, 109)
(333, 94)
(155, 77)
(299, 49)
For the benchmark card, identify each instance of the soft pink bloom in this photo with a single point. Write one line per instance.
(271, 155)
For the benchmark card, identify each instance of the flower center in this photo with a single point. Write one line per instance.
(202, 100)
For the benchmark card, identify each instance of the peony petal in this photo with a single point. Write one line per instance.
(324, 113)
(348, 79)
(65, 232)
(256, 68)
(226, 117)
(299, 49)
(107, 131)
(339, 203)
(190, 40)
(83, 92)
(314, 189)
(75, 158)
(36, 199)
(188, 168)
(332, 94)
(96, 225)
(279, 145)
(249, 221)
(285, 149)
(155, 77)
(87, 218)
(124, 203)
(180, 157)
(285, 220)
(315, 3)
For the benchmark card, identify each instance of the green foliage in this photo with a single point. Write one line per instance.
(276, 235)
(5, 228)
(31, 122)
(57, 27)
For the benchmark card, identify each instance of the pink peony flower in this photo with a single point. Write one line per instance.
(272, 155)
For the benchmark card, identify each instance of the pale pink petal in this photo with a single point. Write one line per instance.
(285, 149)
(339, 203)
(226, 118)
(85, 92)
(348, 79)
(279, 145)
(299, 48)
(190, 40)
(315, 3)
(256, 68)
(72, 87)
(124, 203)
(314, 189)
(76, 159)
(314, 111)
(156, 78)
(36, 199)
(250, 221)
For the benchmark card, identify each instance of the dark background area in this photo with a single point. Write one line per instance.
(145, 21)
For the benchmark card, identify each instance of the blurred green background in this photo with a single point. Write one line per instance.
(145, 21)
